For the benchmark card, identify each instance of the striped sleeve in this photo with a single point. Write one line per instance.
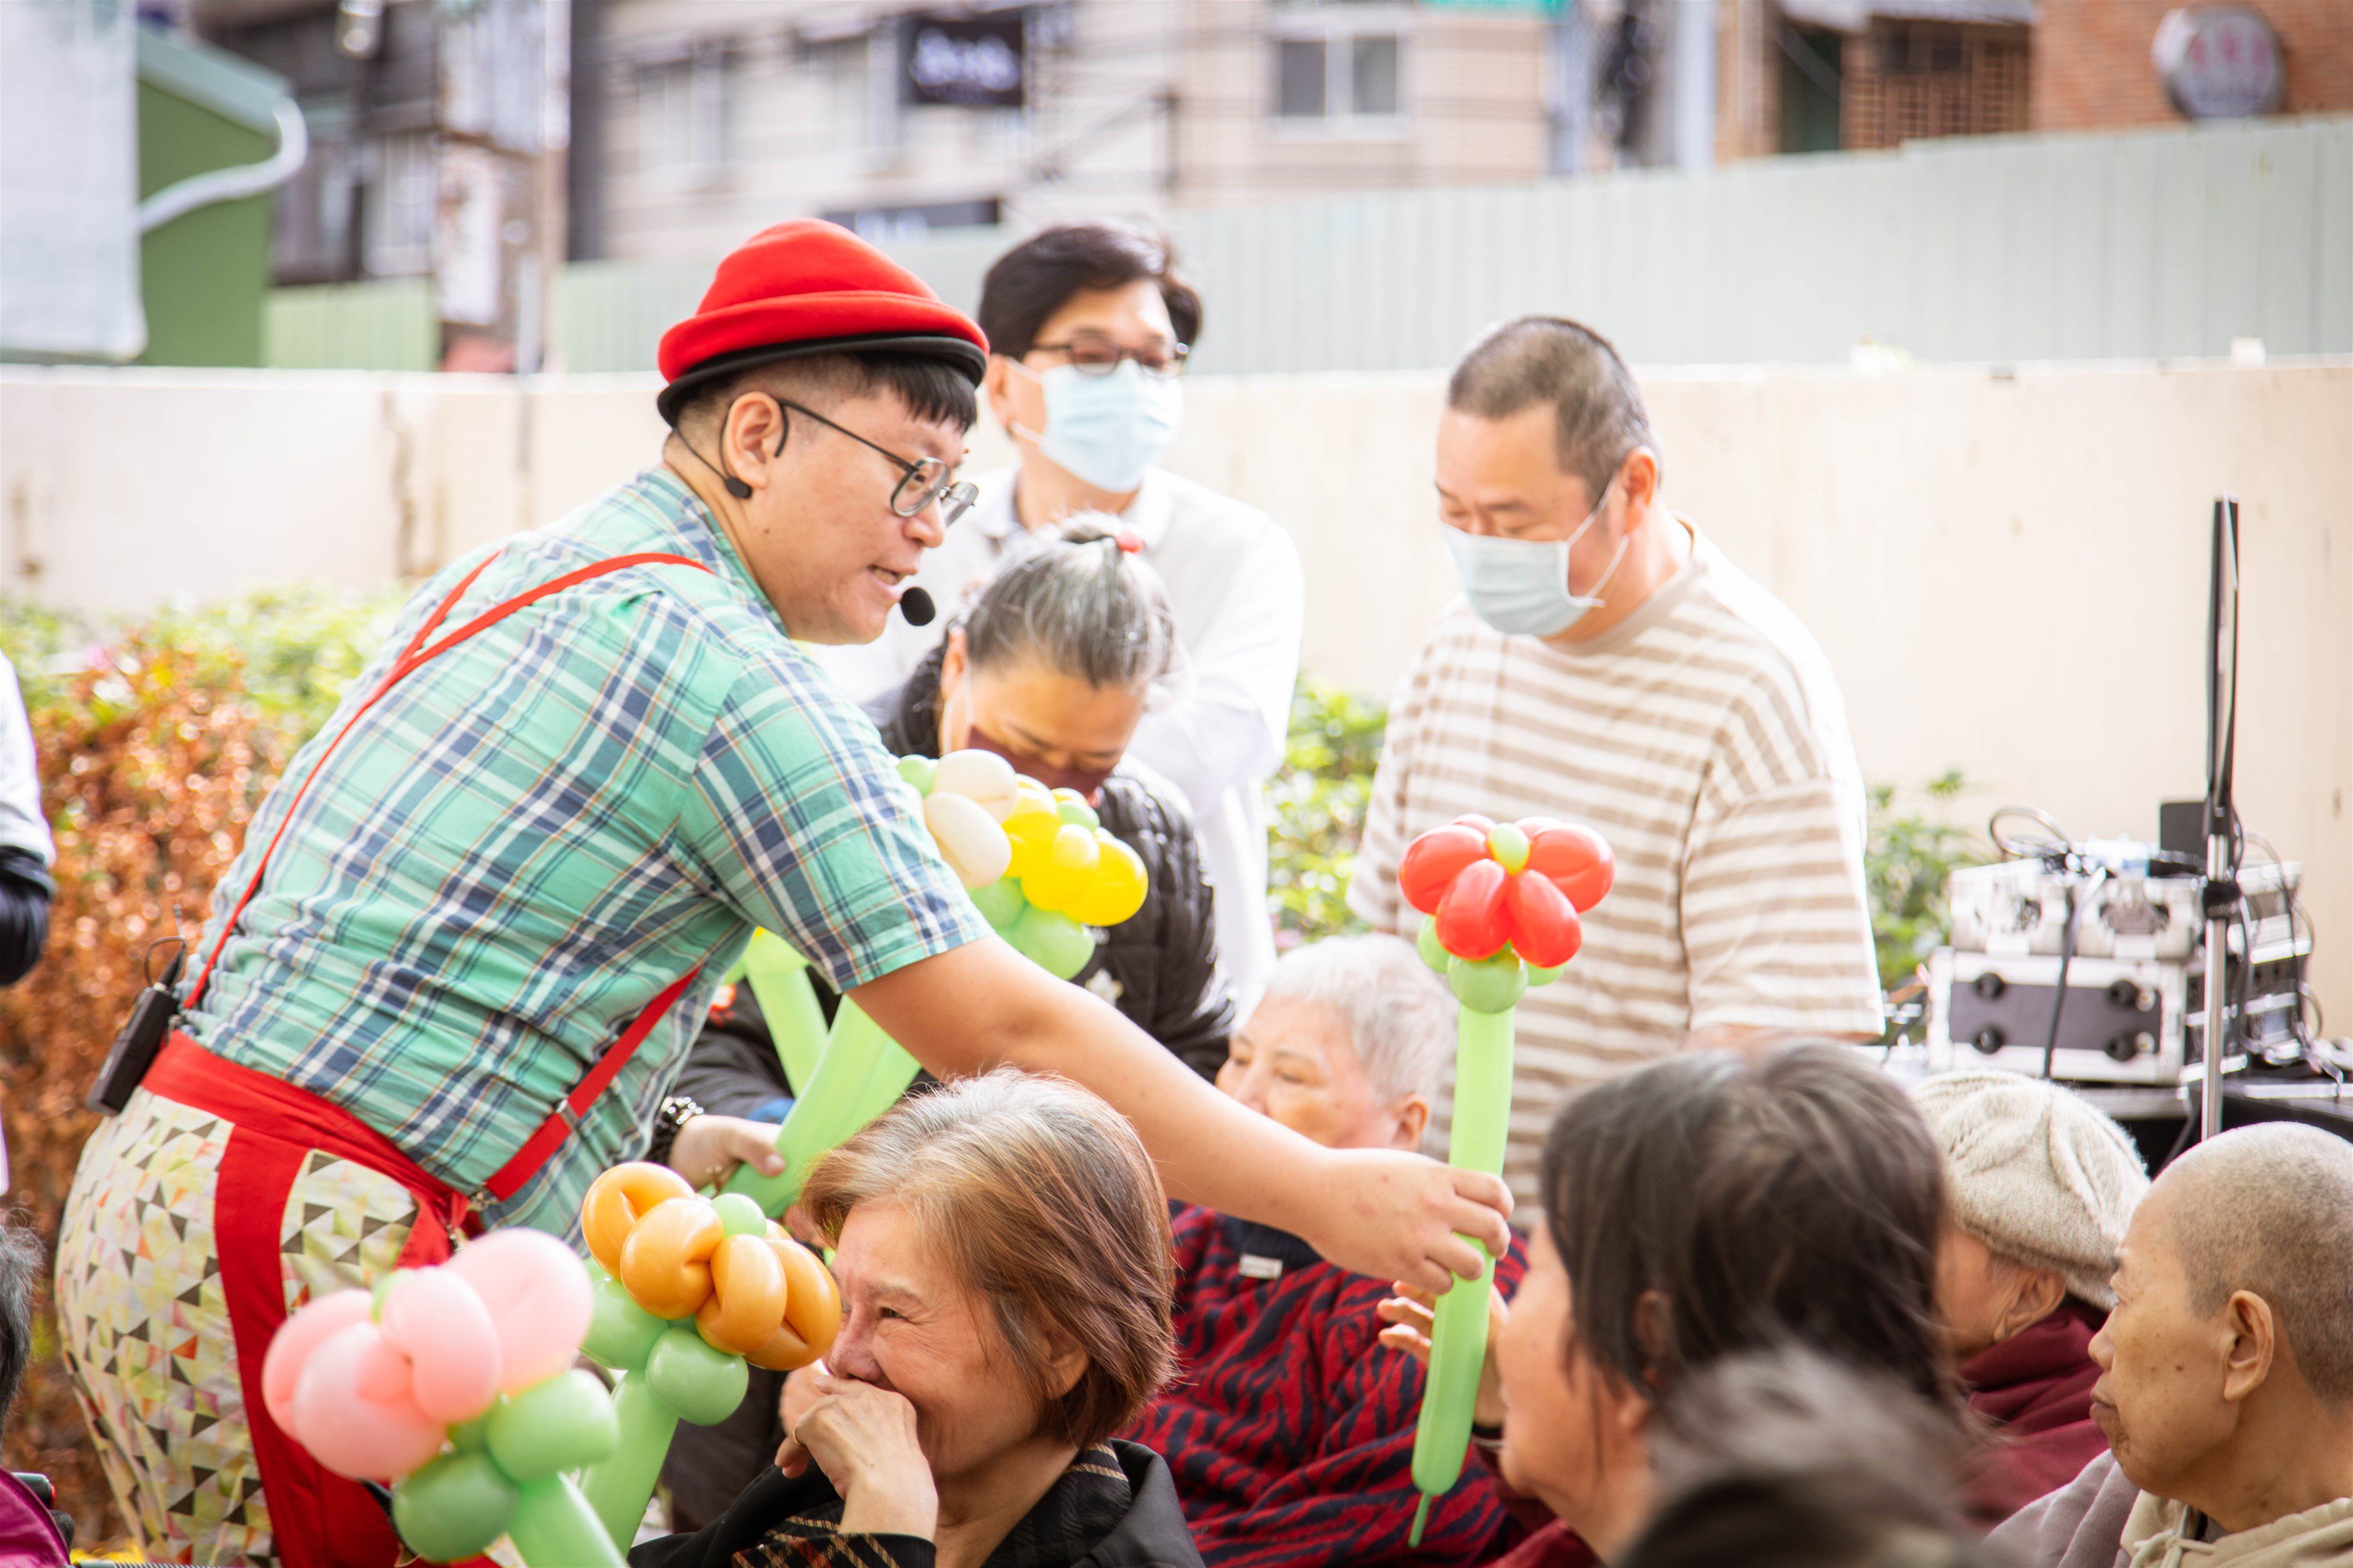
(1776, 920)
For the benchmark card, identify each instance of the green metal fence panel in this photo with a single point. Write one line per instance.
(2151, 246)
(610, 315)
(384, 325)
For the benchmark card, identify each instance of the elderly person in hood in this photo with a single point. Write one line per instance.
(2226, 1371)
(2039, 1188)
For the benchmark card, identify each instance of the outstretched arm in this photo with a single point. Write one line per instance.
(1377, 1211)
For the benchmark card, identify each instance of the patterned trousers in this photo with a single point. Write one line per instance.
(143, 1318)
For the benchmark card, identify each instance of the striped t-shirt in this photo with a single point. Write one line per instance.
(1703, 736)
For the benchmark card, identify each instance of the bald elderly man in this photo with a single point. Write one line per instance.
(2226, 1371)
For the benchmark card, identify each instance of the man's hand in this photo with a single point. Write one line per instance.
(1381, 1212)
(709, 1148)
(863, 1439)
(1408, 1314)
(1397, 1216)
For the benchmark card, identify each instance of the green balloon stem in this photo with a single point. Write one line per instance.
(1458, 1339)
(886, 1085)
(828, 1111)
(554, 1526)
(779, 980)
(617, 1488)
(1420, 1518)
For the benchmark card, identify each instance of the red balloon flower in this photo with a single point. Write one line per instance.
(1487, 886)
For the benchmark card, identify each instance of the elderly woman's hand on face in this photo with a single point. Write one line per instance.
(863, 1439)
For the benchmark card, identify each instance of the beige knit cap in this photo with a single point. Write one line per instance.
(2035, 1172)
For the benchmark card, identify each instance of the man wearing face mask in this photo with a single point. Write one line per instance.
(1089, 325)
(1610, 666)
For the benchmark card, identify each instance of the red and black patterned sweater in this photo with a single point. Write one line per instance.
(1290, 1427)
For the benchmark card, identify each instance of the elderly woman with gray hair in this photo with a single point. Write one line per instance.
(1291, 1434)
(1002, 1245)
(1053, 667)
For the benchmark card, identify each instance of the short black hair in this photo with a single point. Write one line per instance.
(20, 1271)
(1597, 413)
(1708, 1205)
(1037, 278)
(931, 389)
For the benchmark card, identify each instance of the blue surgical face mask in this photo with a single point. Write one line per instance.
(1107, 429)
(1520, 586)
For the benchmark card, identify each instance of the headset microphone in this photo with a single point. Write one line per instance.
(916, 605)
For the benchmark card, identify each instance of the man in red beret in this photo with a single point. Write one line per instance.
(454, 971)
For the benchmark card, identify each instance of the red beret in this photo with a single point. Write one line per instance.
(808, 287)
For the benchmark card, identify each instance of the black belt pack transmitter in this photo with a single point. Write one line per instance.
(136, 1044)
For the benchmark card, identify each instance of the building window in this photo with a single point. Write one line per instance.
(1812, 92)
(685, 107)
(1906, 80)
(396, 212)
(1338, 62)
(314, 220)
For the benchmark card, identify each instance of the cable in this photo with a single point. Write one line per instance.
(2067, 957)
(2299, 925)
(2058, 993)
(2054, 850)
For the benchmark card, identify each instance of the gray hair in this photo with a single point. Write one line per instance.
(22, 1266)
(1400, 1016)
(1079, 604)
(1597, 413)
(2269, 1209)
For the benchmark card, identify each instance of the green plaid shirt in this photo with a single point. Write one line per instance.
(537, 832)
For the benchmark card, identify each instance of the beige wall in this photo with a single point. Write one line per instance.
(2007, 570)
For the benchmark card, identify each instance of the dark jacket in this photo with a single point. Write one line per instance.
(2035, 1390)
(26, 890)
(1113, 1508)
(732, 1069)
(1159, 967)
(1290, 1427)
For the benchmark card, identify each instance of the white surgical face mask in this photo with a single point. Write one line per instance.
(1107, 429)
(1520, 586)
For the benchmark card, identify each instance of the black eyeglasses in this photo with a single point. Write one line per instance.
(1091, 354)
(927, 480)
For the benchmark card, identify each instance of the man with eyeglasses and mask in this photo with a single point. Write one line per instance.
(454, 971)
(1609, 665)
(1088, 326)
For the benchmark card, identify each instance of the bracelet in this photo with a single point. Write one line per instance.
(675, 1112)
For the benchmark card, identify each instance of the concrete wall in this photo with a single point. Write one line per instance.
(2008, 569)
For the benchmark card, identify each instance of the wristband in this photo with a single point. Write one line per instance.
(675, 1112)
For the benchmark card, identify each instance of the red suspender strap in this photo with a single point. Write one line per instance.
(412, 657)
(541, 1146)
(542, 1143)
